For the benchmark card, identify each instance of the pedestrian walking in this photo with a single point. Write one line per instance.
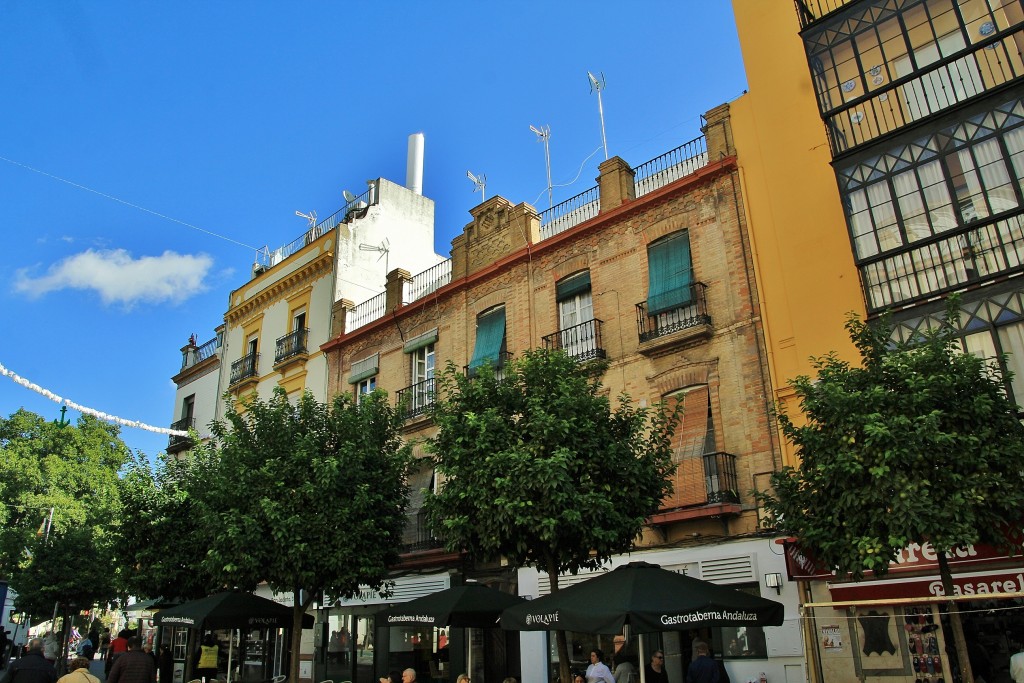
(134, 666)
(32, 667)
(78, 672)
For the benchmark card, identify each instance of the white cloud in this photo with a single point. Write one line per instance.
(119, 278)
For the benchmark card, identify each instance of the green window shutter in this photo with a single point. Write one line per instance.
(362, 369)
(421, 340)
(670, 273)
(490, 333)
(572, 285)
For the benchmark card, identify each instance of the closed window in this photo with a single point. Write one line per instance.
(669, 273)
(490, 338)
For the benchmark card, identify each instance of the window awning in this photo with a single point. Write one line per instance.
(364, 368)
(572, 285)
(420, 340)
(669, 273)
(490, 333)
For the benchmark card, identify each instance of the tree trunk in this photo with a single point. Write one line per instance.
(955, 623)
(298, 610)
(564, 674)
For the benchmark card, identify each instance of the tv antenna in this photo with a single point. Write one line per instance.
(383, 248)
(544, 135)
(311, 217)
(598, 84)
(480, 182)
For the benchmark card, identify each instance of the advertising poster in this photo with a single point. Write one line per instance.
(831, 638)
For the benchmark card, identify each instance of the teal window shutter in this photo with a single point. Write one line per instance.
(490, 334)
(572, 285)
(669, 273)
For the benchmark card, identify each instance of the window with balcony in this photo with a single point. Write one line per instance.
(187, 422)
(247, 367)
(703, 475)
(675, 302)
(489, 346)
(579, 333)
(420, 394)
(417, 535)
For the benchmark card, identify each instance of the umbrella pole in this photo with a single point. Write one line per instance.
(231, 645)
(643, 661)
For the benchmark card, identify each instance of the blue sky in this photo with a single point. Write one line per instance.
(147, 148)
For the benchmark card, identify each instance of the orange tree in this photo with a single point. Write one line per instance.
(918, 444)
(539, 469)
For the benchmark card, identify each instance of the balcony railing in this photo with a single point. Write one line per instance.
(499, 365)
(268, 259)
(244, 368)
(366, 312)
(290, 345)
(691, 314)
(416, 398)
(180, 443)
(581, 342)
(417, 535)
(194, 356)
(708, 479)
(810, 11)
(671, 166)
(570, 213)
(429, 281)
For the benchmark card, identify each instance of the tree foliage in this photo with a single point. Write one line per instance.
(539, 469)
(58, 502)
(308, 497)
(918, 444)
(161, 545)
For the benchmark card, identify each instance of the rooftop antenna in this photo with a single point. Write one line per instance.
(311, 217)
(598, 84)
(544, 135)
(383, 248)
(480, 181)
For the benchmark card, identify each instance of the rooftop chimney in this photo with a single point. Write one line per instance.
(414, 164)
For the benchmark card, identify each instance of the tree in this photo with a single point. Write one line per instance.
(308, 497)
(161, 548)
(918, 444)
(540, 470)
(59, 495)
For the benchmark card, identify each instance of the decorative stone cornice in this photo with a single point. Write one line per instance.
(309, 272)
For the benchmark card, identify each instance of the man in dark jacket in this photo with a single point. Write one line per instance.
(134, 666)
(32, 668)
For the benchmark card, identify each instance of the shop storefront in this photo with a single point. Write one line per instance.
(897, 627)
(747, 652)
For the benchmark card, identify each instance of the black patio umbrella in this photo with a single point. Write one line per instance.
(473, 605)
(230, 609)
(645, 597)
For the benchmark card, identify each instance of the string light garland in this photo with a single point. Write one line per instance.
(86, 410)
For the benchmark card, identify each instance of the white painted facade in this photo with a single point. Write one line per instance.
(741, 562)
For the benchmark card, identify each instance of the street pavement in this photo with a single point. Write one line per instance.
(96, 669)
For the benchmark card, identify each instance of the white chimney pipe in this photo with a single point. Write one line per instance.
(414, 164)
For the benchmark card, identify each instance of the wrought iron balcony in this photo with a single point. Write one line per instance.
(244, 368)
(580, 342)
(704, 480)
(291, 345)
(692, 314)
(180, 443)
(498, 363)
(416, 398)
(810, 11)
(417, 536)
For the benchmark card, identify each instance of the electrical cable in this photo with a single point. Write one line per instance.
(571, 181)
(126, 203)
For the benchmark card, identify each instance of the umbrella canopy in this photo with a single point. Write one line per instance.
(150, 605)
(230, 609)
(647, 598)
(471, 606)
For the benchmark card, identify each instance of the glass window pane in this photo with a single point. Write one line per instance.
(1011, 339)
